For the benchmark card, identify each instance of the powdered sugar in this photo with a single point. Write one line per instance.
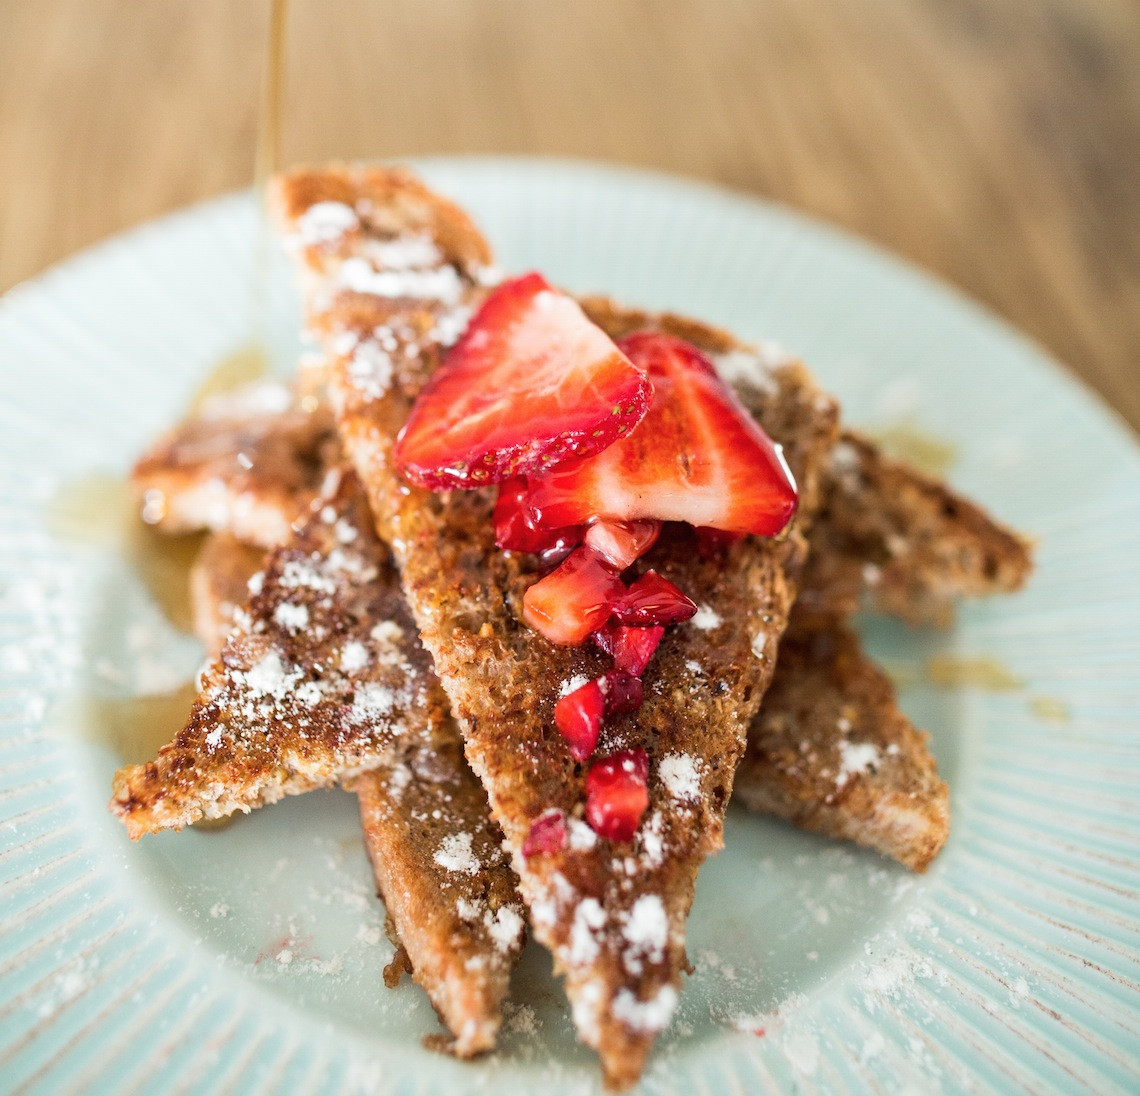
(706, 618)
(855, 758)
(323, 223)
(649, 1016)
(680, 775)
(456, 854)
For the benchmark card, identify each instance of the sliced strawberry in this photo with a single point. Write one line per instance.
(697, 456)
(547, 834)
(515, 531)
(631, 648)
(622, 542)
(530, 383)
(617, 794)
(573, 600)
(653, 600)
(578, 716)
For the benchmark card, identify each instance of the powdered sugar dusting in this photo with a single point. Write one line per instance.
(456, 854)
(680, 775)
(706, 618)
(856, 758)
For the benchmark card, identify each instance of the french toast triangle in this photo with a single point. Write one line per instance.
(324, 680)
(451, 898)
(831, 751)
(386, 292)
(246, 464)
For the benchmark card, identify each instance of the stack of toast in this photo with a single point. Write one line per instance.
(367, 632)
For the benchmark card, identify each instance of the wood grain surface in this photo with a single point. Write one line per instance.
(993, 142)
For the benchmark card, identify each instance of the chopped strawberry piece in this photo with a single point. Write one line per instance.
(547, 834)
(622, 542)
(530, 383)
(697, 456)
(622, 692)
(578, 716)
(653, 600)
(515, 531)
(617, 794)
(573, 600)
(630, 647)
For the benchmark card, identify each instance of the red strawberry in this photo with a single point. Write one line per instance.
(631, 648)
(530, 383)
(617, 794)
(547, 834)
(653, 600)
(578, 716)
(697, 456)
(515, 531)
(622, 691)
(622, 542)
(573, 600)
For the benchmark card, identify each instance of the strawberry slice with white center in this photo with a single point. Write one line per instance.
(617, 794)
(530, 383)
(697, 457)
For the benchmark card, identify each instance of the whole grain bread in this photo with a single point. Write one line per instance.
(612, 914)
(247, 463)
(903, 542)
(344, 639)
(831, 751)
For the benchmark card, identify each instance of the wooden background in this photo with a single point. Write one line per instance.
(994, 142)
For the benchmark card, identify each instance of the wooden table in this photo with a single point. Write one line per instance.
(994, 142)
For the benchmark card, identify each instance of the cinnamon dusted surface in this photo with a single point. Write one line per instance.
(315, 684)
(903, 541)
(246, 464)
(831, 752)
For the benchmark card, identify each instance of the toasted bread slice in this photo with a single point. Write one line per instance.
(316, 683)
(903, 541)
(219, 586)
(613, 914)
(246, 464)
(439, 866)
(831, 752)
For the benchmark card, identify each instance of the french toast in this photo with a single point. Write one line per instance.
(831, 752)
(219, 585)
(247, 463)
(323, 680)
(792, 716)
(612, 913)
(450, 897)
(902, 542)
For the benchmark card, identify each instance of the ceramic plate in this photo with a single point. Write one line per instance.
(248, 959)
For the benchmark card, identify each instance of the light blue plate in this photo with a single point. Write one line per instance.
(248, 960)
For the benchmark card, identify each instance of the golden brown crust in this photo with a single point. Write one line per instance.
(246, 465)
(612, 914)
(905, 542)
(460, 927)
(831, 752)
(441, 873)
(309, 688)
